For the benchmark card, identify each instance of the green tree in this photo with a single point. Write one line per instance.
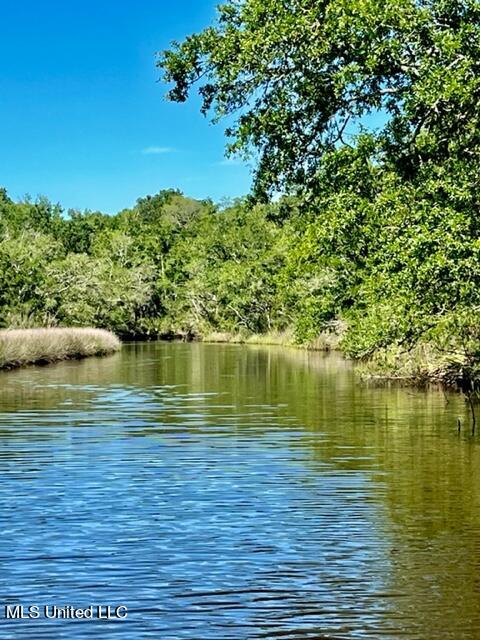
(80, 229)
(23, 264)
(85, 291)
(299, 76)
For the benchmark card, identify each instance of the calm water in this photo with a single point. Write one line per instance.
(235, 493)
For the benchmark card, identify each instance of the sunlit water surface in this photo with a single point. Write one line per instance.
(237, 493)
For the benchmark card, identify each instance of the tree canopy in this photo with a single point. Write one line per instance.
(297, 78)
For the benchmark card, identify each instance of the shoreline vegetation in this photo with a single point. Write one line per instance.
(421, 366)
(173, 267)
(20, 347)
(326, 341)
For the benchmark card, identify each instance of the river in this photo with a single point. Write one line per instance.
(234, 493)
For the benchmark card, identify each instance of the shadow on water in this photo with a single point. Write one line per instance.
(231, 492)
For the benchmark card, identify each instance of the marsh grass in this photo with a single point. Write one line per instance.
(325, 341)
(40, 346)
(424, 364)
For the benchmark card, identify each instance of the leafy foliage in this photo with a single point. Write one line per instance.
(297, 77)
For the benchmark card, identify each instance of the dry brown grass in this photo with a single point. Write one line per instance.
(325, 341)
(422, 365)
(40, 346)
(271, 338)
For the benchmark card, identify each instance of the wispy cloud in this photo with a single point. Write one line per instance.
(152, 151)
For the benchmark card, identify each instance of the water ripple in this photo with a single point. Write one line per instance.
(235, 494)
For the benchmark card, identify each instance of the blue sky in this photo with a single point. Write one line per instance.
(83, 118)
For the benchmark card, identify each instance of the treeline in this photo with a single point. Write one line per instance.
(395, 263)
(169, 266)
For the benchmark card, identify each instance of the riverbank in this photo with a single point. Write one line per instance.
(325, 341)
(422, 365)
(19, 347)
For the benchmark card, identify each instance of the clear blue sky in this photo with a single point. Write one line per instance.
(83, 118)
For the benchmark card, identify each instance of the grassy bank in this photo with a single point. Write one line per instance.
(325, 341)
(421, 365)
(424, 364)
(19, 347)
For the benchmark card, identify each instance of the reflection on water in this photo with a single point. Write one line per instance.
(236, 493)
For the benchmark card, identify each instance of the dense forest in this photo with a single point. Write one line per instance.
(171, 266)
(364, 122)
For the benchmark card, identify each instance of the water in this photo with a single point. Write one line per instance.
(226, 492)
